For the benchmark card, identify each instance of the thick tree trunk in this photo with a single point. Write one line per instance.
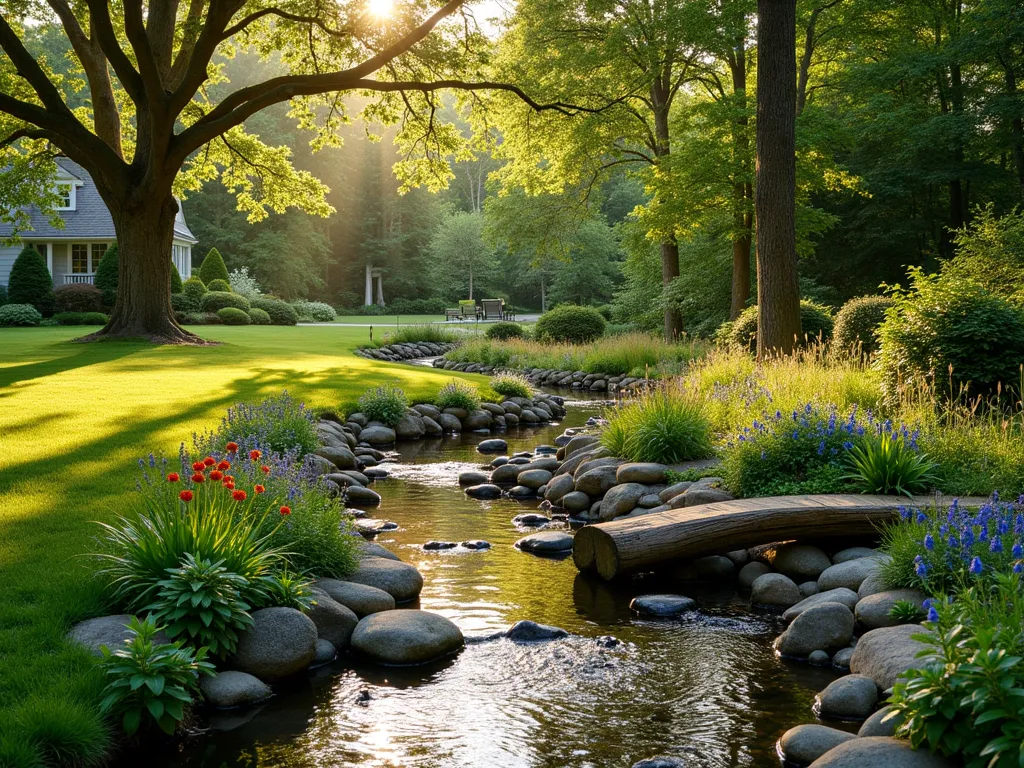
(471, 281)
(142, 309)
(778, 291)
(543, 293)
(740, 260)
(742, 189)
(661, 103)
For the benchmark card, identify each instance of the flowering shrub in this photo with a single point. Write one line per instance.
(243, 283)
(511, 385)
(278, 424)
(315, 311)
(458, 394)
(386, 404)
(19, 314)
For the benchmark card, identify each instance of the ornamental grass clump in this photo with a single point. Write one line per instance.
(458, 394)
(665, 426)
(277, 424)
(511, 385)
(888, 464)
(386, 404)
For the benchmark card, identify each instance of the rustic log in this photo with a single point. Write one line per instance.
(634, 543)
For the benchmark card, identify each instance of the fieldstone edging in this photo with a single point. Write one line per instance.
(549, 377)
(396, 353)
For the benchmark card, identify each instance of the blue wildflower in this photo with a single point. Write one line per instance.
(929, 542)
(933, 615)
(1018, 550)
(976, 566)
(996, 545)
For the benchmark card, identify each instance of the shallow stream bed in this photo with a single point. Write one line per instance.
(706, 687)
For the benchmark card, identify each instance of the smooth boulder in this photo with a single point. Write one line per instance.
(546, 542)
(377, 435)
(361, 599)
(484, 491)
(401, 637)
(400, 580)
(774, 589)
(879, 752)
(886, 653)
(232, 688)
(852, 697)
(750, 573)
(334, 622)
(109, 631)
(645, 473)
(873, 611)
(662, 605)
(621, 499)
(842, 595)
(280, 642)
(799, 561)
(826, 627)
(494, 445)
(531, 632)
(850, 574)
(806, 743)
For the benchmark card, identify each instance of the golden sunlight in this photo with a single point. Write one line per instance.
(381, 9)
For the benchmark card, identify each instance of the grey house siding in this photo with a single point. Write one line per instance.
(8, 253)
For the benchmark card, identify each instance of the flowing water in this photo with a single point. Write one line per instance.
(706, 687)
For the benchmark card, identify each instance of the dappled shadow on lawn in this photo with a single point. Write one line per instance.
(66, 356)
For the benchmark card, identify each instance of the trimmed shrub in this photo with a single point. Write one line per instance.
(281, 312)
(416, 306)
(569, 322)
(191, 296)
(233, 316)
(80, 318)
(458, 394)
(213, 268)
(175, 279)
(30, 281)
(106, 275)
(815, 324)
(315, 311)
(664, 426)
(259, 317)
(190, 318)
(219, 285)
(857, 323)
(19, 315)
(511, 385)
(944, 326)
(3, 295)
(504, 331)
(210, 318)
(215, 301)
(78, 297)
(386, 404)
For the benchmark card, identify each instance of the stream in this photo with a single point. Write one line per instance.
(707, 687)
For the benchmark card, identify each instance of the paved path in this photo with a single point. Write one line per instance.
(384, 321)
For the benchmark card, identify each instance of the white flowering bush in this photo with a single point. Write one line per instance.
(244, 283)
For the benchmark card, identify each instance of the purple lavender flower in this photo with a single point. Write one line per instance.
(996, 545)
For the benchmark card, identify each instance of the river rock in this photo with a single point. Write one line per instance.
(431, 427)
(325, 652)
(774, 589)
(434, 546)
(853, 553)
(841, 659)
(356, 494)
(845, 596)
(799, 561)
(522, 492)
(886, 653)
(473, 478)
(620, 499)
(698, 495)
(826, 626)
(280, 642)
(532, 632)
(872, 585)
(506, 473)
(739, 557)
(578, 443)
(401, 638)
(641, 472)
(662, 605)
(661, 761)
(371, 526)
(361, 599)
(377, 435)
(597, 481)
(494, 445)
(479, 419)
(400, 580)
(410, 427)
(806, 743)
(873, 611)
(231, 688)
(109, 631)
(546, 542)
(334, 622)
(530, 519)
(818, 659)
(879, 751)
(449, 423)
(673, 491)
(809, 588)
(340, 457)
(850, 574)
(484, 491)
(370, 549)
(428, 410)
(534, 478)
(476, 544)
(750, 572)
(576, 502)
(558, 487)
(852, 697)
(874, 726)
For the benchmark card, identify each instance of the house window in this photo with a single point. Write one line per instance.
(66, 193)
(79, 259)
(98, 249)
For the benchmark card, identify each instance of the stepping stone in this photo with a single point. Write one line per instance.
(436, 545)
(531, 632)
(400, 580)
(401, 638)
(373, 526)
(494, 445)
(849, 698)
(806, 743)
(546, 542)
(476, 544)
(530, 519)
(662, 605)
(473, 478)
(355, 494)
(234, 689)
(484, 491)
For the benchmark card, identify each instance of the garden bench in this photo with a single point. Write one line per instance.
(452, 314)
(492, 309)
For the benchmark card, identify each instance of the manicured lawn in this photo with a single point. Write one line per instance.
(390, 320)
(74, 420)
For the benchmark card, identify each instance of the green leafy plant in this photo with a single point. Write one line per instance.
(458, 394)
(205, 603)
(233, 316)
(214, 301)
(19, 315)
(80, 318)
(816, 324)
(413, 334)
(288, 589)
(906, 612)
(315, 311)
(857, 324)
(213, 268)
(150, 680)
(30, 281)
(244, 283)
(889, 465)
(280, 312)
(219, 286)
(568, 322)
(176, 284)
(191, 297)
(280, 424)
(106, 275)
(511, 385)
(503, 331)
(78, 297)
(665, 426)
(386, 404)
(259, 316)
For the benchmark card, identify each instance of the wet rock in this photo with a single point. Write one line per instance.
(375, 473)
(530, 519)
(620, 499)
(109, 631)
(662, 605)
(361, 599)
(878, 751)
(558, 487)
(886, 653)
(872, 585)
(546, 542)
(281, 642)
(355, 494)
(340, 457)
(533, 478)
(494, 445)
(406, 637)
(431, 427)
(231, 688)
(371, 526)
(874, 726)
(826, 626)
(841, 659)
(662, 761)
(432, 546)
(852, 697)
(806, 743)
(449, 423)
(532, 632)
(845, 596)
(506, 473)
(597, 481)
(410, 427)
(799, 561)
(473, 478)
(873, 611)
(334, 622)
(774, 589)
(499, 461)
(819, 659)
(809, 588)
(476, 544)
(644, 473)
(325, 652)
(400, 580)
(714, 568)
(576, 502)
(850, 574)
(484, 491)
(377, 435)
(521, 492)
(750, 572)
(852, 553)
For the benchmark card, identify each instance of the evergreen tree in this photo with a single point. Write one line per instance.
(213, 268)
(30, 281)
(175, 279)
(106, 275)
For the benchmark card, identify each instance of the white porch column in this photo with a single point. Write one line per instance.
(49, 258)
(368, 292)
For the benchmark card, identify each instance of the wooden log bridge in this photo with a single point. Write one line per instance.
(634, 543)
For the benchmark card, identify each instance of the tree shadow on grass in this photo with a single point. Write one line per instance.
(77, 356)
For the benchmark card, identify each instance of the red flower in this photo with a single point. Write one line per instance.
(185, 496)
(229, 485)
(198, 477)
(209, 461)
(232, 447)
(215, 475)
(266, 469)
(198, 466)
(229, 478)
(259, 489)
(286, 510)
(173, 477)
(255, 455)
(238, 495)
(224, 465)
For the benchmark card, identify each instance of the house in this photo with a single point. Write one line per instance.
(74, 252)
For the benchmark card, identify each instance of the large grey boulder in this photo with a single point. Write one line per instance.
(410, 427)
(340, 457)
(842, 595)
(806, 743)
(366, 497)
(620, 499)
(853, 553)
(533, 478)
(484, 491)
(774, 589)
(398, 579)
(506, 473)
(852, 697)
(109, 631)
(558, 487)
(449, 423)
(546, 543)
(873, 611)
(850, 574)
(431, 427)
(799, 561)
(428, 410)
(334, 622)
(879, 752)
(531, 632)
(662, 605)
(403, 637)
(872, 585)
(641, 472)
(370, 549)
(231, 688)
(377, 435)
(477, 420)
(825, 627)
(674, 491)
(361, 599)
(576, 502)
(886, 653)
(750, 572)
(281, 642)
(494, 445)
(473, 478)
(597, 481)
(579, 442)
(880, 724)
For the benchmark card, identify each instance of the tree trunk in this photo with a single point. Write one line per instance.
(142, 309)
(471, 281)
(742, 190)
(670, 271)
(778, 291)
(740, 261)
(380, 289)
(543, 293)
(661, 104)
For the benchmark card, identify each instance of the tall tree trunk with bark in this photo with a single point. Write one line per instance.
(661, 103)
(778, 291)
(742, 190)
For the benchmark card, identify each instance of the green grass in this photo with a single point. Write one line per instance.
(386, 320)
(74, 419)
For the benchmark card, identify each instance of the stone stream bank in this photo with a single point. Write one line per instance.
(549, 377)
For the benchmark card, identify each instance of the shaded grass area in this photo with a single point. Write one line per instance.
(74, 419)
